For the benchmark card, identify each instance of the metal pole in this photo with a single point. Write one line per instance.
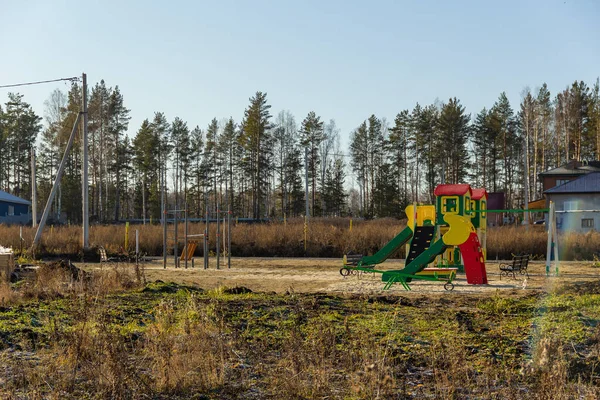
(229, 236)
(206, 226)
(84, 168)
(307, 211)
(185, 249)
(218, 235)
(555, 239)
(176, 245)
(163, 211)
(33, 190)
(61, 169)
(137, 246)
(549, 223)
(526, 183)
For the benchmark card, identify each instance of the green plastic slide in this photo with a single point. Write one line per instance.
(425, 258)
(390, 248)
(419, 263)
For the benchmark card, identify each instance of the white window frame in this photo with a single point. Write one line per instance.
(11, 210)
(588, 220)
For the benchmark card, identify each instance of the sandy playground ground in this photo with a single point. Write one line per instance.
(310, 275)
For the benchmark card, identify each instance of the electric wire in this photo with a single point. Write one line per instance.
(75, 78)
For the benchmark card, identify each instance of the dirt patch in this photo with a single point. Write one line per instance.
(237, 290)
(64, 266)
(314, 275)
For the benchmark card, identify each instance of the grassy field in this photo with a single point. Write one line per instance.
(326, 238)
(109, 333)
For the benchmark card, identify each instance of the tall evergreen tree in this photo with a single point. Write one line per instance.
(311, 136)
(398, 148)
(256, 132)
(21, 127)
(180, 141)
(146, 161)
(454, 129)
(359, 155)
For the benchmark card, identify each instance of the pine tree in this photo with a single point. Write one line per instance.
(286, 138)
(198, 178)
(21, 127)
(330, 141)
(211, 159)
(398, 148)
(359, 155)
(256, 132)
(544, 143)
(3, 155)
(69, 190)
(334, 191)
(594, 115)
(504, 123)
(180, 140)
(527, 125)
(98, 122)
(227, 147)
(427, 147)
(385, 194)
(582, 141)
(295, 205)
(376, 150)
(118, 122)
(454, 131)
(311, 136)
(146, 161)
(162, 131)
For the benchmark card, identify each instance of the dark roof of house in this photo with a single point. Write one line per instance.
(573, 168)
(9, 198)
(589, 183)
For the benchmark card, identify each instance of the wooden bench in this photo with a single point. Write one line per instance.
(519, 264)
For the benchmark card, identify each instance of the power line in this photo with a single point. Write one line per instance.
(75, 78)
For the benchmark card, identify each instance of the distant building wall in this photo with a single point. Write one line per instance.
(495, 201)
(17, 208)
(548, 182)
(14, 213)
(574, 221)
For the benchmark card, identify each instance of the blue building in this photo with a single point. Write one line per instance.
(577, 203)
(13, 209)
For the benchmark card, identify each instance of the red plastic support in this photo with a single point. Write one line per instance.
(472, 256)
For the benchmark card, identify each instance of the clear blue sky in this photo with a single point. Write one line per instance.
(343, 59)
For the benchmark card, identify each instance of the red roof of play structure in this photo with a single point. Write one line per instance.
(452, 190)
(478, 194)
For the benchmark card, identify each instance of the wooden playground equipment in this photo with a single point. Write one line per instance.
(172, 219)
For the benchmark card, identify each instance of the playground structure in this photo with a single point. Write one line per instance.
(450, 234)
(171, 240)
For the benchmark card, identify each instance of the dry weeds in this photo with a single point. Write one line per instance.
(103, 334)
(326, 238)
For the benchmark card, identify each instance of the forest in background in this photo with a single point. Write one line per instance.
(257, 163)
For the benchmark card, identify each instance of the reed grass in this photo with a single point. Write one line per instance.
(324, 238)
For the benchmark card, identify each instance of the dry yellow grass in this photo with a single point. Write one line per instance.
(326, 238)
